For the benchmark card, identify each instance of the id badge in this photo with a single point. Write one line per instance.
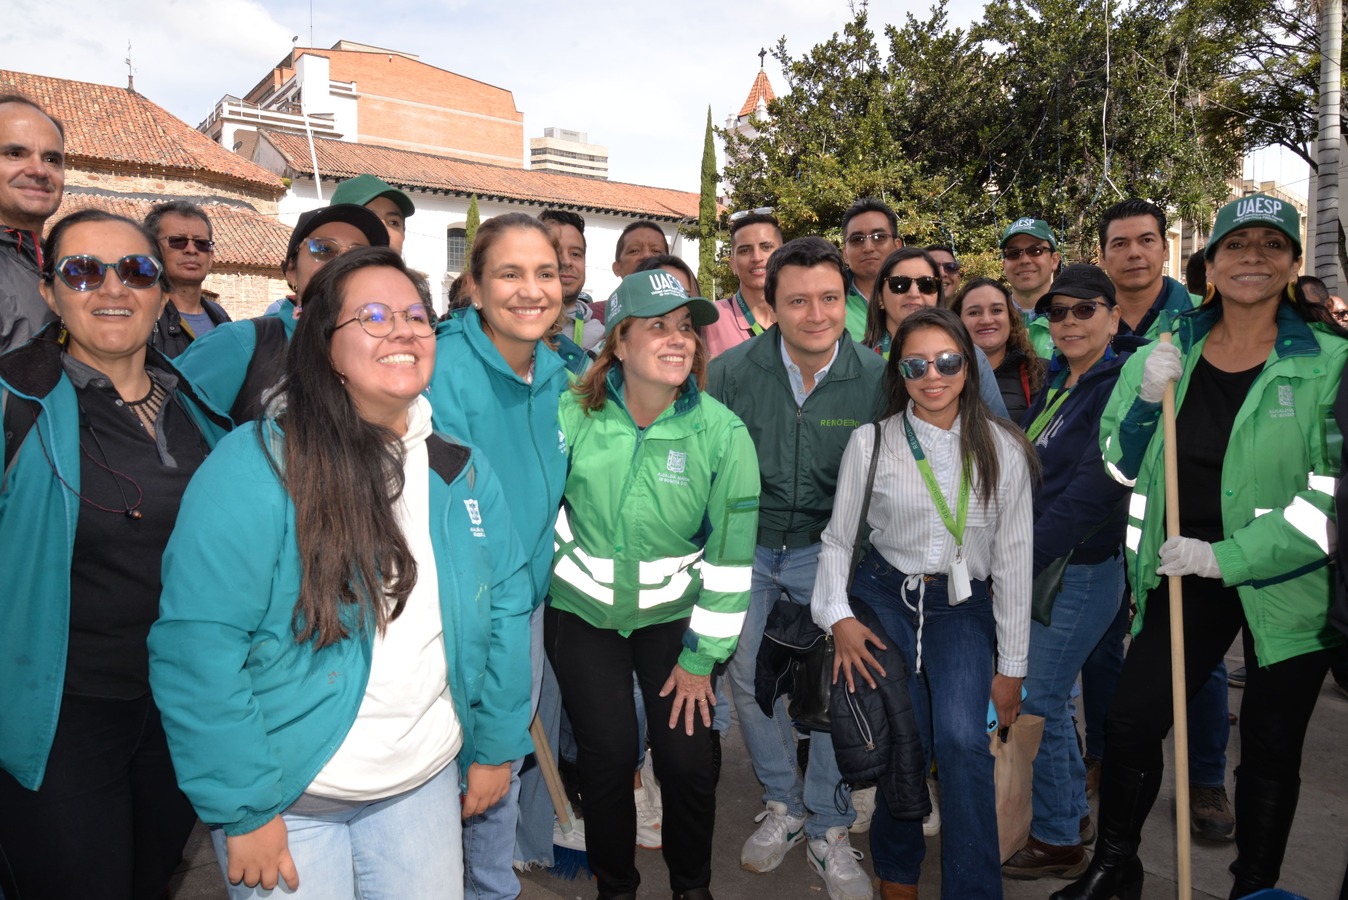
(958, 586)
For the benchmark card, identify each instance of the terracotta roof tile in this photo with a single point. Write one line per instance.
(244, 239)
(406, 169)
(111, 127)
(761, 90)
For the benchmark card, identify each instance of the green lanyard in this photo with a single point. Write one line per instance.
(956, 525)
(1051, 405)
(885, 341)
(754, 327)
(577, 330)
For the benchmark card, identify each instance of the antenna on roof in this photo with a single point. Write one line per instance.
(130, 73)
(311, 23)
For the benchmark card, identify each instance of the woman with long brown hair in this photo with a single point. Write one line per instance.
(985, 306)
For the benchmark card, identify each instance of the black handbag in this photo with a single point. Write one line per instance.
(812, 670)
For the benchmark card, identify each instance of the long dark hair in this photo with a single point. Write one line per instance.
(1019, 338)
(875, 315)
(976, 420)
(344, 474)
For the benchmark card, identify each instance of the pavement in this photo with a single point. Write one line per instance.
(1314, 865)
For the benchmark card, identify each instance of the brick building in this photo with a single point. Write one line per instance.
(124, 153)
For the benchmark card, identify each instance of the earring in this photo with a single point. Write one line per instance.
(341, 377)
(882, 306)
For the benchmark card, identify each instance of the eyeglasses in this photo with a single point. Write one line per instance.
(760, 211)
(377, 319)
(179, 242)
(948, 363)
(1340, 316)
(86, 273)
(1083, 310)
(899, 284)
(1016, 253)
(875, 237)
(326, 249)
(952, 267)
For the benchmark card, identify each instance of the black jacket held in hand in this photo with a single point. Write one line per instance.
(875, 734)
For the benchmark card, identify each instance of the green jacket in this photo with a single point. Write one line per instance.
(1175, 299)
(658, 524)
(858, 310)
(799, 448)
(1279, 475)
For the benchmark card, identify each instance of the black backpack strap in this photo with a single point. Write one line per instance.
(264, 368)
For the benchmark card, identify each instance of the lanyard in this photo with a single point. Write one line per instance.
(954, 525)
(754, 327)
(1051, 404)
(885, 342)
(578, 331)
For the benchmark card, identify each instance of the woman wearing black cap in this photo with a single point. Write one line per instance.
(1079, 522)
(1254, 379)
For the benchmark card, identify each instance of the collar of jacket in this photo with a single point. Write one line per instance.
(22, 243)
(1295, 337)
(688, 398)
(1110, 361)
(766, 353)
(546, 362)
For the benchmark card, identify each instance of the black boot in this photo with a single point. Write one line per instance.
(1264, 813)
(1126, 797)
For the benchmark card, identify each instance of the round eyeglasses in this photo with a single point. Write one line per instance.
(377, 320)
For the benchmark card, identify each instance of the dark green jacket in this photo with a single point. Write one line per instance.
(799, 448)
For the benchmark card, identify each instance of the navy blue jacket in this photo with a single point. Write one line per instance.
(1077, 494)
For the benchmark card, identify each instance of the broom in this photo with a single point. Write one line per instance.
(568, 861)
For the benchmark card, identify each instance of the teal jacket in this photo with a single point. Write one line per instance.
(38, 516)
(658, 524)
(477, 398)
(799, 448)
(251, 715)
(1278, 477)
(217, 362)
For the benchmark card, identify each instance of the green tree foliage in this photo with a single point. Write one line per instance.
(708, 228)
(471, 222)
(1045, 107)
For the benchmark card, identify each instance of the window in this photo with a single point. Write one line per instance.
(457, 255)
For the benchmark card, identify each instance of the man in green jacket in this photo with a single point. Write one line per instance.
(801, 388)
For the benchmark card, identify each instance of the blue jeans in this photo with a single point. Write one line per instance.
(408, 845)
(1082, 613)
(950, 698)
(1099, 675)
(769, 740)
(489, 838)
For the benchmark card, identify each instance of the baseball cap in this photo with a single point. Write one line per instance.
(350, 213)
(1033, 227)
(1256, 209)
(1080, 281)
(645, 295)
(364, 188)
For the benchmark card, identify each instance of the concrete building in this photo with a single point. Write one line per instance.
(125, 153)
(563, 150)
(358, 93)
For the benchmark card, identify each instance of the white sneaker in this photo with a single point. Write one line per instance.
(649, 820)
(931, 825)
(573, 839)
(766, 847)
(834, 858)
(863, 804)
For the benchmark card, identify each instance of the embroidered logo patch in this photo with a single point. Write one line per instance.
(1287, 403)
(677, 462)
(474, 513)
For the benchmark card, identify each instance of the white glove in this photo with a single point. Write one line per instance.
(1163, 366)
(1188, 556)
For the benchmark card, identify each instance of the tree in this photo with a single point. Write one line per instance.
(473, 219)
(707, 225)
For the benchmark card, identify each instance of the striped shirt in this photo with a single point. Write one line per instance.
(906, 529)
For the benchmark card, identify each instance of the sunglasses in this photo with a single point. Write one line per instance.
(1083, 310)
(899, 284)
(326, 249)
(875, 237)
(948, 363)
(760, 211)
(179, 242)
(86, 273)
(952, 267)
(1032, 252)
(377, 320)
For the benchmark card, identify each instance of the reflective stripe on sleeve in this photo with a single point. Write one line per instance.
(677, 587)
(1324, 484)
(656, 571)
(716, 624)
(1133, 538)
(726, 579)
(1305, 518)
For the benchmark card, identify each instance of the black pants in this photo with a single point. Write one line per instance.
(108, 820)
(594, 669)
(1275, 707)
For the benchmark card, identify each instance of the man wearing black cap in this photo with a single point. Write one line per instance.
(235, 363)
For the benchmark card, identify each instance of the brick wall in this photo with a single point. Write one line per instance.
(167, 187)
(245, 294)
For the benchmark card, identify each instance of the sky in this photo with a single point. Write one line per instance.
(637, 78)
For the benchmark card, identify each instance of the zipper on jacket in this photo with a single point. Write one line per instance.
(795, 477)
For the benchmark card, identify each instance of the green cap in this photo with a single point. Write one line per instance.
(364, 188)
(1256, 209)
(645, 295)
(1034, 228)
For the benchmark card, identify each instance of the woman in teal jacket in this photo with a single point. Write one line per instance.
(100, 438)
(1258, 463)
(654, 553)
(343, 625)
